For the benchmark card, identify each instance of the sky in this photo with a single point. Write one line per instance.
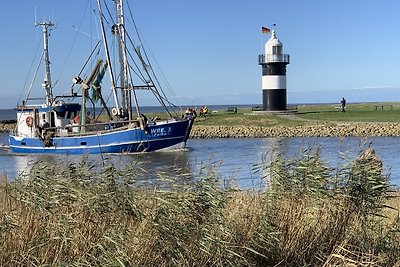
(208, 50)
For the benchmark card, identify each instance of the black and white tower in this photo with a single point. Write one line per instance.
(273, 64)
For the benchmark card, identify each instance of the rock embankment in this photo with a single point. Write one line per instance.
(6, 126)
(359, 129)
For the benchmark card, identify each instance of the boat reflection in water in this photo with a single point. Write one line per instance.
(272, 148)
(232, 158)
(146, 168)
(13, 166)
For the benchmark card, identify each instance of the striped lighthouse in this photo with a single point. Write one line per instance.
(273, 64)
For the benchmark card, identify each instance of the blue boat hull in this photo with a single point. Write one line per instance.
(155, 137)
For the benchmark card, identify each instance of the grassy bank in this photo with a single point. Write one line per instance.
(328, 114)
(364, 112)
(309, 215)
(309, 115)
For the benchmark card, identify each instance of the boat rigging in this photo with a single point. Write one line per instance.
(60, 125)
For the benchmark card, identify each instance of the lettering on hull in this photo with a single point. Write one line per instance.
(163, 131)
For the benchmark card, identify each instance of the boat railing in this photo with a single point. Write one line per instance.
(89, 128)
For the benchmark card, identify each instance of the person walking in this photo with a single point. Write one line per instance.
(343, 104)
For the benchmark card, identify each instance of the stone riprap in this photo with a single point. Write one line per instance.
(358, 129)
(6, 127)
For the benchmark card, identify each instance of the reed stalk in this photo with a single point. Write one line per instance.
(308, 214)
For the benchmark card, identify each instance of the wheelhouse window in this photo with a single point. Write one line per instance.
(61, 115)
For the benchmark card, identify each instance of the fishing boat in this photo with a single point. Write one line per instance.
(69, 123)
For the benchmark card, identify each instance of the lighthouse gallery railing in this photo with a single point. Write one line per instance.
(264, 59)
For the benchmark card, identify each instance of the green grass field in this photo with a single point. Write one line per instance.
(308, 114)
(366, 112)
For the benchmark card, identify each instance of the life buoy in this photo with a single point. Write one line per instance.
(29, 121)
(76, 119)
(114, 111)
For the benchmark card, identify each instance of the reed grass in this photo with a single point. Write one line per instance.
(309, 214)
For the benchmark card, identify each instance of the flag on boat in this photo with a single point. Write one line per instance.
(265, 30)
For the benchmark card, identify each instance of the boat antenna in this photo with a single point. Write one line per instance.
(46, 25)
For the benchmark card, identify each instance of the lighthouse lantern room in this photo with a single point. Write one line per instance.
(273, 64)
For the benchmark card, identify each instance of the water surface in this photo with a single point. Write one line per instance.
(233, 157)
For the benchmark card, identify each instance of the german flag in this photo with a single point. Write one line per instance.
(265, 30)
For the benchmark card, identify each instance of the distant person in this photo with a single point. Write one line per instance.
(190, 113)
(203, 111)
(45, 125)
(343, 104)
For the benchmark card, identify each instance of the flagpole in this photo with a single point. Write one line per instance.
(263, 31)
(261, 43)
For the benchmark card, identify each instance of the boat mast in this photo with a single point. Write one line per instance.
(108, 59)
(47, 79)
(126, 85)
(119, 31)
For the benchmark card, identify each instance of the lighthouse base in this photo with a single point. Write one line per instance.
(274, 100)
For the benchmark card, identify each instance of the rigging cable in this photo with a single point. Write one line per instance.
(140, 40)
(34, 78)
(155, 92)
(87, 60)
(138, 73)
(30, 69)
(72, 46)
(110, 69)
(109, 14)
